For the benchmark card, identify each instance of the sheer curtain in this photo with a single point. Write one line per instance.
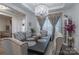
(48, 26)
(53, 19)
(41, 20)
(58, 26)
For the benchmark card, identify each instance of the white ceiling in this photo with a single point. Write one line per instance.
(50, 6)
(10, 9)
(30, 7)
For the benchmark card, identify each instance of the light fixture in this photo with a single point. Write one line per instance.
(3, 7)
(41, 10)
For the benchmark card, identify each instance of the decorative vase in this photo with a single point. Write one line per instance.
(71, 42)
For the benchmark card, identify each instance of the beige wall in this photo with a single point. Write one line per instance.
(4, 20)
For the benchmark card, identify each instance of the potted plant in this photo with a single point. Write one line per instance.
(33, 31)
(70, 28)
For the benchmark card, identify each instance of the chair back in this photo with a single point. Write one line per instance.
(59, 43)
(20, 36)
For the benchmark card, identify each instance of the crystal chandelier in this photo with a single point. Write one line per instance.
(41, 10)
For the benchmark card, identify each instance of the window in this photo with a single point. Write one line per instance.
(47, 26)
(58, 25)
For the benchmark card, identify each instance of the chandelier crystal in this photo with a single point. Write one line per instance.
(41, 10)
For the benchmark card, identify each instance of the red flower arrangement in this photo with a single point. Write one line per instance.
(70, 27)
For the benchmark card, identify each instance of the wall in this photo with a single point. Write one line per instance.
(74, 13)
(3, 22)
(30, 17)
(17, 23)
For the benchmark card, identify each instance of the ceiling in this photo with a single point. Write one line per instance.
(50, 6)
(22, 8)
(9, 9)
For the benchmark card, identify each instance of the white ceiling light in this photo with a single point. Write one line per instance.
(3, 7)
(41, 10)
